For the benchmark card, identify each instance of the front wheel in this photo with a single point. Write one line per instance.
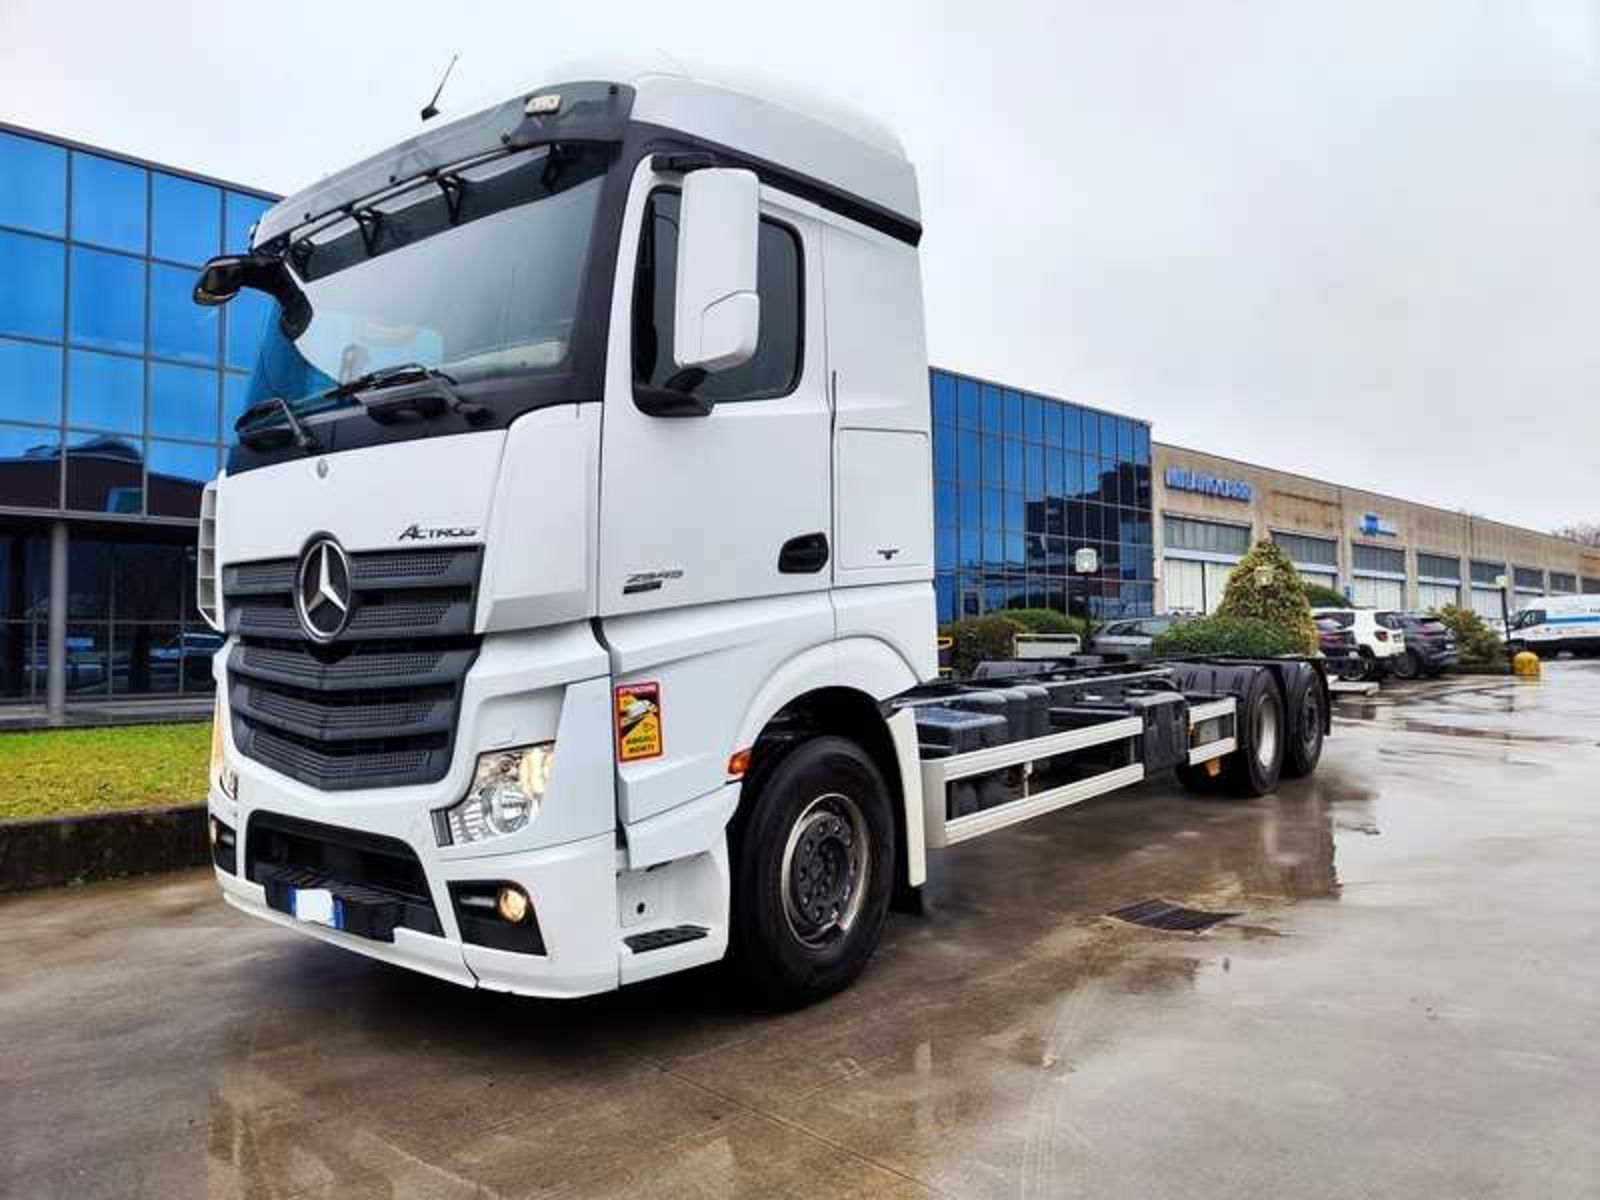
(813, 872)
(1407, 665)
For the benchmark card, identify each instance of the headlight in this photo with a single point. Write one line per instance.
(507, 789)
(226, 778)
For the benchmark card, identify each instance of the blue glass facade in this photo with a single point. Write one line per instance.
(115, 391)
(1021, 482)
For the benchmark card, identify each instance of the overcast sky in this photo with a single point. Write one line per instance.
(1360, 241)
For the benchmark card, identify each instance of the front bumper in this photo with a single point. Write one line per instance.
(524, 688)
(573, 889)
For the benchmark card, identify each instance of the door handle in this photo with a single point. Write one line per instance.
(804, 555)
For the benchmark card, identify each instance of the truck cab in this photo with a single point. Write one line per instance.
(582, 497)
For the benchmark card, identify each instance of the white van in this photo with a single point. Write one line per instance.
(1557, 623)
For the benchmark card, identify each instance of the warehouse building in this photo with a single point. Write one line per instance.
(1378, 550)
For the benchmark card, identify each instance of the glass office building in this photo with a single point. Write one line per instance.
(1022, 482)
(116, 396)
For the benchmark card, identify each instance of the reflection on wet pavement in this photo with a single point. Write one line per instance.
(1405, 1007)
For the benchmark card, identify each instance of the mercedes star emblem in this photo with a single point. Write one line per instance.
(322, 590)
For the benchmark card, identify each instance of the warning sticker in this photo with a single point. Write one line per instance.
(638, 721)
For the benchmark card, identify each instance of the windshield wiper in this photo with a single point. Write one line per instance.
(267, 435)
(423, 404)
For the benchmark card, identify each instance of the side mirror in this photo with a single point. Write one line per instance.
(717, 313)
(223, 277)
(220, 280)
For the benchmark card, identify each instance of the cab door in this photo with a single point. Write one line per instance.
(734, 504)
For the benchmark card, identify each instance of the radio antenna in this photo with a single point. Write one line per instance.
(431, 109)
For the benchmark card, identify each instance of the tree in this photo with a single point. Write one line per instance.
(1320, 595)
(1587, 532)
(1266, 586)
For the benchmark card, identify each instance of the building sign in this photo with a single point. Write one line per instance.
(1372, 525)
(1182, 479)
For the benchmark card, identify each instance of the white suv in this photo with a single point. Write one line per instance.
(1380, 638)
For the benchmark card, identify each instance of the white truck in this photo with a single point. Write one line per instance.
(575, 559)
(1555, 623)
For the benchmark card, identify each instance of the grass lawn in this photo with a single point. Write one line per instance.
(54, 771)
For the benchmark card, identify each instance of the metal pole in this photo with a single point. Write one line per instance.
(1505, 621)
(56, 638)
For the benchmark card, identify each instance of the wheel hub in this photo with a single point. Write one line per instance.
(825, 869)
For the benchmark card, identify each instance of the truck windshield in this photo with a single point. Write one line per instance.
(477, 273)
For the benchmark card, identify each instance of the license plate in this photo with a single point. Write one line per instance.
(316, 905)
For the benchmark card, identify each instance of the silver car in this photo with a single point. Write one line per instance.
(1130, 638)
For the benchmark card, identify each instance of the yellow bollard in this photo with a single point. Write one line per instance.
(1526, 664)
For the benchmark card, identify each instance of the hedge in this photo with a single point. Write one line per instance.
(1243, 637)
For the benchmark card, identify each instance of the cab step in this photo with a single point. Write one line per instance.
(660, 939)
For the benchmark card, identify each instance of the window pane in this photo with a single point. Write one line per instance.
(990, 410)
(30, 382)
(185, 219)
(1052, 423)
(243, 212)
(32, 275)
(944, 398)
(993, 457)
(108, 202)
(1108, 436)
(967, 403)
(180, 328)
(1141, 443)
(107, 300)
(183, 402)
(30, 467)
(775, 366)
(944, 445)
(105, 391)
(33, 184)
(177, 475)
(1033, 418)
(1091, 434)
(104, 474)
(1013, 419)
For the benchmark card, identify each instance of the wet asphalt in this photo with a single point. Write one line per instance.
(1408, 1006)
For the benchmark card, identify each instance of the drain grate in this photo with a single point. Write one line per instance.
(1158, 914)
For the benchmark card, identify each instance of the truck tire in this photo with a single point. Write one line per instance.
(1303, 749)
(812, 872)
(1253, 769)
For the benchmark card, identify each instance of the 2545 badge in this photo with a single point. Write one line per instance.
(638, 721)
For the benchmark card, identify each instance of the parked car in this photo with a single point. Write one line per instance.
(1430, 646)
(1380, 639)
(1557, 623)
(1338, 645)
(1131, 639)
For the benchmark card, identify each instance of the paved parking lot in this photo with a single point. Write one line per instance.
(1407, 1007)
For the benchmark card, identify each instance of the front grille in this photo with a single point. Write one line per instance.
(378, 706)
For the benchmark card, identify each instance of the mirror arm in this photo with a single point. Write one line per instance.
(668, 402)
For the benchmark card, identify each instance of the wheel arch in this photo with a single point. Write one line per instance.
(839, 690)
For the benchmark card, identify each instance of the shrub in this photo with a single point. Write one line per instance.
(1320, 596)
(1244, 637)
(1048, 620)
(1477, 644)
(1265, 586)
(978, 638)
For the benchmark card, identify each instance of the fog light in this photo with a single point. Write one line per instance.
(511, 902)
(211, 832)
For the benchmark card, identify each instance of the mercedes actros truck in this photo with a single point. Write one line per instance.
(575, 561)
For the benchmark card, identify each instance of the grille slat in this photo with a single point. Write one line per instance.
(375, 708)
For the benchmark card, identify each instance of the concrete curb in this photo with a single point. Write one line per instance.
(80, 849)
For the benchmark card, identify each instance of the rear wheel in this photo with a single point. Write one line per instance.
(1407, 665)
(1304, 748)
(813, 872)
(1253, 769)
